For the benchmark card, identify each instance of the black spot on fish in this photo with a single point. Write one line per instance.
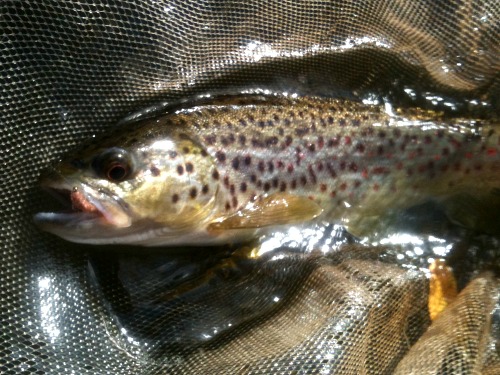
(242, 139)
(303, 180)
(215, 175)
(271, 141)
(267, 186)
(175, 198)
(301, 131)
(221, 156)
(193, 192)
(180, 170)
(204, 189)
(154, 171)
(189, 167)
(247, 160)
(235, 163)
(243, 187)
(360, 147)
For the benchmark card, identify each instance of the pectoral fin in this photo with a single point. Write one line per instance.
(277, 209)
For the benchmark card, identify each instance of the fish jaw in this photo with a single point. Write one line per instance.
(92, 216)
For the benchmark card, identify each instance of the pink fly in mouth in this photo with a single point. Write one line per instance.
(80, 203)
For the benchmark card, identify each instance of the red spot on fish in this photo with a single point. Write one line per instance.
(343, 186)
(321, 143)
(290, 168)
(364, 173)
(380, 170)
(491, 151)
(347, 140)
(376, 187)
(333, 194)
(322, 187)
(468, 155)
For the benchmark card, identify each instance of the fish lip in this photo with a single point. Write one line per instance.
(85, 207)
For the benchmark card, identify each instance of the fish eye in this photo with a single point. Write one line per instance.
(114, 164)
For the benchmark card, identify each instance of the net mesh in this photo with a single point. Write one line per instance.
(71, 69)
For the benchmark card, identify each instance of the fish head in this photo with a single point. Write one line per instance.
(154, 188)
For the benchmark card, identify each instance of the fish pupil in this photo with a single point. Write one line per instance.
(113, 164)
(117, 172)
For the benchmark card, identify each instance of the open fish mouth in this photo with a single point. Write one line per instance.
(88, 212)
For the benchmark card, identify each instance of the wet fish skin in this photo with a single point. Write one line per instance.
(229, 170)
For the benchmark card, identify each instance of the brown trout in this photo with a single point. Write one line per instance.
(234, 168)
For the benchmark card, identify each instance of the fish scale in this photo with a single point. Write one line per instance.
(229, 169)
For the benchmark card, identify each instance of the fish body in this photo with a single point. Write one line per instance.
(233, 168)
